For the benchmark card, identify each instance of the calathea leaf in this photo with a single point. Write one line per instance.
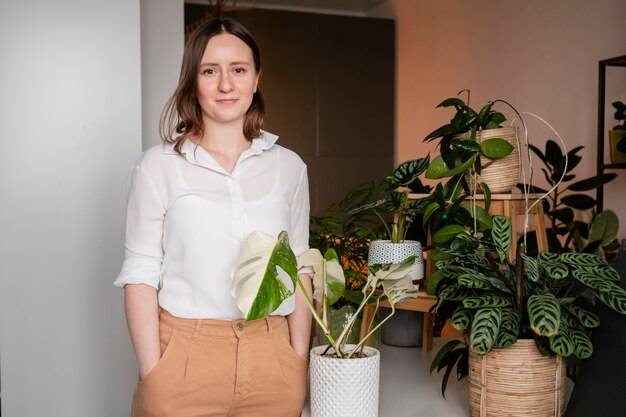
(485, 300)
(594, 281)
(544, 313)
(454, 293)
(582, 259)
(501, 232)
(562, 343)
(586, 318)
(485, 326)
(583, 348)
(604, 271)
(557, 270)
(464, 243)
(531, 268)
(461, 318)
(480, 281)
(256, 283)
(546, 258)
(614, 298)
(333, 285)
(433, 281)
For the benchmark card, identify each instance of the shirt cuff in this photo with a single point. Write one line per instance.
(139, 271)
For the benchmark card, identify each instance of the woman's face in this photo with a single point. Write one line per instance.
(227, 80)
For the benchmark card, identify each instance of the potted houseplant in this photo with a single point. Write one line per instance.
(533, 308)
(340, 372)
(617, 135)
(392, 201)
(566, 231)
(474, 142)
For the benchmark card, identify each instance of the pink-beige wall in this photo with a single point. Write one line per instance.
(540, 55)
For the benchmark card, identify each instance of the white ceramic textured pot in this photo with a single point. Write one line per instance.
(344, 387)
(383, 251)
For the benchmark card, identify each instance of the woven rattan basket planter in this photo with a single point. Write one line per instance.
(517, 381)
(500, 175)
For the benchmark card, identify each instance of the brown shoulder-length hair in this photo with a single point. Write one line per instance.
(181, 118)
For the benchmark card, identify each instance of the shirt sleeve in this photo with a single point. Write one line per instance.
(300, 208)
(144, 232)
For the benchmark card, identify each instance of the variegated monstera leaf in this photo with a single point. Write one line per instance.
(256, 284)
(395, 279)
(328, 280)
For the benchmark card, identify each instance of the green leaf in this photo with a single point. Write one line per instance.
(509, 328)
(454, 293)
(604, 271)
(442, 354)
(441, 131)
(448, 233)
(583, 348)
(615, 298)
(487, 194)
(485, 300)
(430, 209)
(531, 268)
(495, 148)
(557, 270)
(480, 281)
(449, 102)
(496, 120)
(483, 115)
(433, 281)
(465, 145)
(553, 153)
(545, 258)
(581, 259)
(578, 201)
(501, 232)
(592, 183)
(407, 172)
(482, 217)
(544, 314)
(604, 227)
(438, 168)
(505, 338)
(484, 329)
(566, 215)
(562, 343)
(461, 318)
(586, 318)
(256, 285)
(464, 243)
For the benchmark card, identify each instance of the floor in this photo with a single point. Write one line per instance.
(407, 389)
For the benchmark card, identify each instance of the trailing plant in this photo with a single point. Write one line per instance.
(495, 300)
(566, 233)
(459, 150)
(392, 198)
(260, 288)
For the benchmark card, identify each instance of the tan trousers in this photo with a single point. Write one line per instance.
(218, 368)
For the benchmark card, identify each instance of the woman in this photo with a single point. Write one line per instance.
(192, 202)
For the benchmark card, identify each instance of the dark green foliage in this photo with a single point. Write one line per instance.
(565, 233)
(497, 300)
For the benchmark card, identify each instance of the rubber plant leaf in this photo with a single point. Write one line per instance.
(334, 283)
(257, 285)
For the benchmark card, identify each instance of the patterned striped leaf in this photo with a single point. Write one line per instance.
(583, 348)
(501, 232)
(544, 313)
(569, 319)
(478, 280)
(592, 280)
(586, 318)
(547, 257)
(505, 338)
(616, 298)
(531, 268)
(461, 318)
(582, 259)
(562, 343)
(455, 293)
(557, 270)
(605, 271)
(510, 319)
(453, 271)
(485, 300)
(543, 344)
(485, 329)
(479, 260)
(442, 264)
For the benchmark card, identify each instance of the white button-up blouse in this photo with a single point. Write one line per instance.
(187, 218)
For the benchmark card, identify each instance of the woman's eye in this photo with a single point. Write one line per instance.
(240, 70)
(208, 71)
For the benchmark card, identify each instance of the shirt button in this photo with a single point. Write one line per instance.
(240, 326)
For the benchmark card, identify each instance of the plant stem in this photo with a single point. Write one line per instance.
(384, 224)
(317, 318)
(371, 332)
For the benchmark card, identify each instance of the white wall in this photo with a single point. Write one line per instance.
(70, 127)
(162, 41)
(542, 56)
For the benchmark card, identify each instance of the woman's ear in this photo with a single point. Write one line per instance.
(256, 82)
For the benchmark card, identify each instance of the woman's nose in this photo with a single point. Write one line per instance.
(225, 84)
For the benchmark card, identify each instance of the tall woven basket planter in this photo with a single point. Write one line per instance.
(502, 174)
(516, 381)
(344, 387)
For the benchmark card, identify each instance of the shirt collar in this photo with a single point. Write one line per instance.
(259, 144)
